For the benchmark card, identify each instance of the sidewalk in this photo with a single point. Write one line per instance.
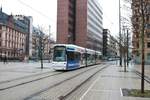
(13, 70)
(110, 82)
(12, 65)
(147, 69)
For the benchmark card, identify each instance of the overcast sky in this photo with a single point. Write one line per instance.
(44, 12)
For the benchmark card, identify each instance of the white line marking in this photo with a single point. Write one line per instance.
(81, 98)
(121, 92)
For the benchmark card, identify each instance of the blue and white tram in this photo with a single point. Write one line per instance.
(68, 57)
(98, 57)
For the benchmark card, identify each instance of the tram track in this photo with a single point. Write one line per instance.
(24, 77)
(26, 82)
(4, 83)
(66, 80)
(146, 78)
(79, 85)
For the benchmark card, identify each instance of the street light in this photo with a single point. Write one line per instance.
(120, 34)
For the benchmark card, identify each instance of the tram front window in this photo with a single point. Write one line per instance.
(59, 54)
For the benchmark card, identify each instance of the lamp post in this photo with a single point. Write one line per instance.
(120, 47)
(127, 47)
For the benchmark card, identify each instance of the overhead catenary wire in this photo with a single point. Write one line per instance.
(35, 10)
(38, 12)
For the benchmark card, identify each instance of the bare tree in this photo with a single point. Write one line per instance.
(142, 42)
(41, 44)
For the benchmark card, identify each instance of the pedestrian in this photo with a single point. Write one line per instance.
(0, 57)
(4, 58)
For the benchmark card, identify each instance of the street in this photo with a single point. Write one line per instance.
(99, 82)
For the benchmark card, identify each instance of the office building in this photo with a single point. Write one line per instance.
(80, 22)
(137, 26)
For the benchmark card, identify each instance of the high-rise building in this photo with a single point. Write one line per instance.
(80, 22)
(137, 26)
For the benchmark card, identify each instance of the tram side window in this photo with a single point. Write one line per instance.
(93, 57)
(100, 57)
(70, 55)
(73, 56)
(96, 57)
(84, 56)
(78, 56)
(88, 56)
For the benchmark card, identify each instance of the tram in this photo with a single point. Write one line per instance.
(68, 57)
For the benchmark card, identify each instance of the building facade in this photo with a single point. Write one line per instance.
(35, 43)
(80, 22)
(109, 44)
(105, 42)
(13, 35)
(47, 43)
(28, 20)
(137, 26)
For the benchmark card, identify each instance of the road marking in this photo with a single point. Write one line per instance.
(121, 92)
(81, 98)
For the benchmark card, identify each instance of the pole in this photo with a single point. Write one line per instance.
(41, 55)
(120, 35)
(41, 50)
(125, 69)
(49, 31)
(143, 56)
(124, 48)
(127, 47)
(49, 41)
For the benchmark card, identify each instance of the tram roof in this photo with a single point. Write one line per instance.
(78, 48)
(71, 47)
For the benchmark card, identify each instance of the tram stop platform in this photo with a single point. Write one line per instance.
(111, 81)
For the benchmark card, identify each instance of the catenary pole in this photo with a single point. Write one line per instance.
(120, 51)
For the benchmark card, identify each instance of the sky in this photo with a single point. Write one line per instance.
(44, 13)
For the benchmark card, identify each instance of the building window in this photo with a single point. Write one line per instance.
(147, 18)
(137, 45)
(148, 45)
(148, 35)
(137, 19)
(148, 56)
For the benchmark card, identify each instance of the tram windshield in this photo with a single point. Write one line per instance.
(59, 54)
